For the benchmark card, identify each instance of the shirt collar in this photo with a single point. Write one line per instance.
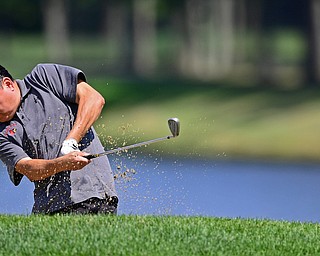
(24, 88)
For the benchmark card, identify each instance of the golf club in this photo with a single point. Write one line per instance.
(174, 126)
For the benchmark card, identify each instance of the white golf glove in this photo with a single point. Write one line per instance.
(68, 146)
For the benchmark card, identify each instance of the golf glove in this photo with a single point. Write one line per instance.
(68, 146)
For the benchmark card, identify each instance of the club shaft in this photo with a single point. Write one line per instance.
(112, 151)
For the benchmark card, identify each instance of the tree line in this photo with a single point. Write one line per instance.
(268, 41)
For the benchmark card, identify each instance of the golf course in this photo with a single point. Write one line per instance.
(216, 122)
(233, 84)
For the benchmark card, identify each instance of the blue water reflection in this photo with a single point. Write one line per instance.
(151, 185)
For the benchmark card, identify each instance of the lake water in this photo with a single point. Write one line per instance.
(219, 188)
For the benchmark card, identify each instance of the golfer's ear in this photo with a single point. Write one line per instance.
(7, 83)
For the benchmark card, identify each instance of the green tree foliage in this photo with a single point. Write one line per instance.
(206, 39)
(20, 15)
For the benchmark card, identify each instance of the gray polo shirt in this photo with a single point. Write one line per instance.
(43, 120)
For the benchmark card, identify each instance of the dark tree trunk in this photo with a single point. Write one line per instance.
(313, 58)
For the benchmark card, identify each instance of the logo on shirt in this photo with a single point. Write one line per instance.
(10, 130)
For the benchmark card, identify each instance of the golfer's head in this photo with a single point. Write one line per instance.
(9, 95)
(4, 73)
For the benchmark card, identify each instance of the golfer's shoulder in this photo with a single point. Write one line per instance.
(44, 68)
(48, 73)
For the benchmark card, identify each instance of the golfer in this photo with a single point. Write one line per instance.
(45, 133)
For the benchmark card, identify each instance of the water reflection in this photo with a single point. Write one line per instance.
(151, 185)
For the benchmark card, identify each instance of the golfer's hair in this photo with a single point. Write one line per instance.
(4, 73)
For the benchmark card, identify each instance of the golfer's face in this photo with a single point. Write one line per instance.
(9, 100)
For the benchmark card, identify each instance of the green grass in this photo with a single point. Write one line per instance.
(216, 120)
(151, 235)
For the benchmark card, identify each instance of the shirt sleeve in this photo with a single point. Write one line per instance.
(10, 154)
(61, 80)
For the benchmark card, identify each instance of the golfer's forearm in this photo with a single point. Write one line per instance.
(39, 169)
(90, 104)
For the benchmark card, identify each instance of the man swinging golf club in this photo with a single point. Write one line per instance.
(45, 127)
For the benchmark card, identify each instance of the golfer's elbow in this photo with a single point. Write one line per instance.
(23, 167)
(98, 102)
(88, 94)
(101, 101)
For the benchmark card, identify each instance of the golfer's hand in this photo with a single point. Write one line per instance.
(69, 145)
(75, 160)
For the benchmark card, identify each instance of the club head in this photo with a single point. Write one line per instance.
(174, 126)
